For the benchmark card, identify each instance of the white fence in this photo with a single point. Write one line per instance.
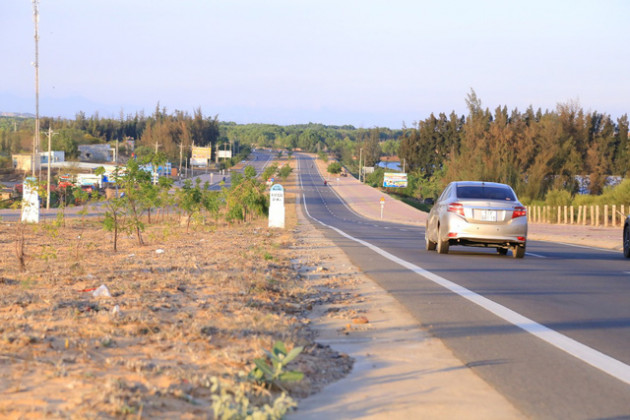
(589, 215)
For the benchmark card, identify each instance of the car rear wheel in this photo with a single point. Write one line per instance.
(626, 241)
(442, 246)
(518, 251)
(430, 245)
(502, 251)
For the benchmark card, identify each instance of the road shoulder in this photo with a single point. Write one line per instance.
(400, 371)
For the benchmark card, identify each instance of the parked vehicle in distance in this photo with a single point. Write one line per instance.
(626, 238)
(482, 214)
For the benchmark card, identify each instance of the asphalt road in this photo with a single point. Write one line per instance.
(550, 331)
(258, 160)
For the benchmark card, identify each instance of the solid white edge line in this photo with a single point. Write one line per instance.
(535, 255)
(595, 358)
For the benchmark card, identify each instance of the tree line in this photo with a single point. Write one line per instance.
(533, 151)
(172, 132)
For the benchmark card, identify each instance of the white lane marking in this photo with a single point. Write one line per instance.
(595, 358)
(535, 255)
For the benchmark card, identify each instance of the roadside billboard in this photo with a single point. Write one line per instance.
(224, 154)
(394, 180)
(201, 156)
(201, 152)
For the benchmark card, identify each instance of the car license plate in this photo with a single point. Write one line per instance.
(488, 215)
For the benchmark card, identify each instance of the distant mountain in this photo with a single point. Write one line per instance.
(66, 107)
(17, 114)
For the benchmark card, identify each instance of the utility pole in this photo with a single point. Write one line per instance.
(155, 165)
(50, 133)
(360, 165)
(36, 65)
(116, 167)
(181, 155)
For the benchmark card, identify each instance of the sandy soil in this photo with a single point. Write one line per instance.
(184, 308)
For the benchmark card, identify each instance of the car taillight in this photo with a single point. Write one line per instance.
(519, 212)
(456, 208)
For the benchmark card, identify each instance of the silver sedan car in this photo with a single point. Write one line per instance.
(471, 213)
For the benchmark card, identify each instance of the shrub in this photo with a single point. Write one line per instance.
(334, 168)
(619, 194)
(285, 171)
(269, 171)
(5, 162)
(558, 198)
(584, 200)
(375, 179)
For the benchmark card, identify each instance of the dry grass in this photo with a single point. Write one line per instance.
(206, 306)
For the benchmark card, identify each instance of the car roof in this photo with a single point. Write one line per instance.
(479, 183)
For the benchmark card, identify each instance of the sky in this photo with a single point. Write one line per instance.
(367, 63)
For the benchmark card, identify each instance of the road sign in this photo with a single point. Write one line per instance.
(394, 180)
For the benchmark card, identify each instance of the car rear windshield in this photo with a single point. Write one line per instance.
(485, 192)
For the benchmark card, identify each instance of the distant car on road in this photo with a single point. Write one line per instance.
(482, 214)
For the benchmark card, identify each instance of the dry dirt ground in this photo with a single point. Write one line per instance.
(185, 308)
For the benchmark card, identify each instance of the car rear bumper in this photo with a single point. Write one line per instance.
(462, 232)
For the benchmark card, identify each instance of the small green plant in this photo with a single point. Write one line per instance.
(52, 229)
(270, 369)
(190, 199)
(48, 253)
(233, 403)
(113, 220)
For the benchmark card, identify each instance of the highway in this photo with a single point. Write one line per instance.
(551, 331)
(258, 160)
